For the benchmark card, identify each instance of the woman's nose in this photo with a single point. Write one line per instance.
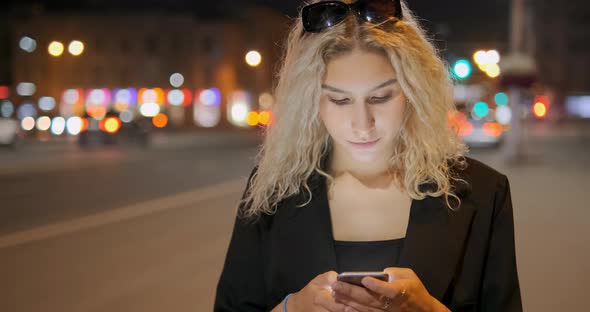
(363, 120)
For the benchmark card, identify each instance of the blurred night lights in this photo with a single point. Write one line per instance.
(27, 44)
(26, 89)
(58, 125)
(55, 48)
(176, 80)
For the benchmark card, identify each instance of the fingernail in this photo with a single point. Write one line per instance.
(336, 286)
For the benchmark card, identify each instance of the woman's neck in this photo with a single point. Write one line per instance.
(374, 175)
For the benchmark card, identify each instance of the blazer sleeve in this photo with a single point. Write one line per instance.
(500, 285)
(241, 284)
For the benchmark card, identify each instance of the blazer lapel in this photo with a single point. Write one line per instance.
(306, 235)
(435, 239)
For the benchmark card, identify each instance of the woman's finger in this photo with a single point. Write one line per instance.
(396, 273)
(326, 301)
(357, 294)
(387, 289)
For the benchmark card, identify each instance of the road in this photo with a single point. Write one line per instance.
(125, 230)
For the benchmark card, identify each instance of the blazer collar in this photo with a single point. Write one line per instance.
(432, 248)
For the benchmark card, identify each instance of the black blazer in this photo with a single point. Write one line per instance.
(465, 259)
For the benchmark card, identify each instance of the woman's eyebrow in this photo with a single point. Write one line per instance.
(385, 84)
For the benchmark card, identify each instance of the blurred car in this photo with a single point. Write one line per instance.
(481, 133)
(484, 132)
(9, 132)
(111, 130)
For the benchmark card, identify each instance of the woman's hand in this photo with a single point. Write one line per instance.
(316, 296)
(404, 292)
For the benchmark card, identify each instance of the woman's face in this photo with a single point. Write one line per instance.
(362, 102)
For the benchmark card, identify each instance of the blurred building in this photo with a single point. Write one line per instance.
(143, 50)
(561, 48)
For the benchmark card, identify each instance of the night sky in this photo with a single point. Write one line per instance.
(458, 20)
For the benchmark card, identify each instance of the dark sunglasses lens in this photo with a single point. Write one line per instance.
(322, 15)
(376, 11)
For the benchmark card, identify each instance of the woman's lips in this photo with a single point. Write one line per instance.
(365, 144)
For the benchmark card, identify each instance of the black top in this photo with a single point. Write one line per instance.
(465, 258)
(367, 256)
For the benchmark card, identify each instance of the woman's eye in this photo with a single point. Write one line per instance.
(380, 99)
(339, 101)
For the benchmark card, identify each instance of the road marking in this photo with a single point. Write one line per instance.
(123, 213)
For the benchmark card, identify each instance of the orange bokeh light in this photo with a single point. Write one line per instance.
(111, 125)
(540, 109)
(84, 126)
(253, 118)
(492, 129)
(264, 117)
(464, 128)
(160, 120)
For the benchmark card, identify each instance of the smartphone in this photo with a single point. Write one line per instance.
(355, 278)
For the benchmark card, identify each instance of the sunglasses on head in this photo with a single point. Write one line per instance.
(320, 16)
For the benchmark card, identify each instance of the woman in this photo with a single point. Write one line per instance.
(361, 171)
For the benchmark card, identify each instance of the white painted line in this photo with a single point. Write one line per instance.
(123, 213)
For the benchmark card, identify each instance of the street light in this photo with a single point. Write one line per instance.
(76, 47)
(253, 58)
(56, 48)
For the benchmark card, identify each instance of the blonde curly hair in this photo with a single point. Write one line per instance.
(426, 149)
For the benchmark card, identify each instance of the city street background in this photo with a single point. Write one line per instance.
(118, 230)
(128, 128)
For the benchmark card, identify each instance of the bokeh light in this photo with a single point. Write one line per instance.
(126, 116)
(26, 110)
(239, 112)
(253, 58)
(462, 69)
(501, 99)
(176, 80)
(58, 125)
(264, 118)
(480, 57)
(540, 109)
(74, 125)
(4, 92)
(73, 96)
(503, 114)
(111, 124)
(210, 97)
(26, 89)
(27, 44)
(160, 120)
(43, 123)
(76, 47)
(493, 70)
(149, 109)
(6, 109)
(492, 129)
(46, 103)
(252, 118)
(175, 97)
(493, 57)
(28, 123)
(481, 109)
(265, 100)
(56, 48)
